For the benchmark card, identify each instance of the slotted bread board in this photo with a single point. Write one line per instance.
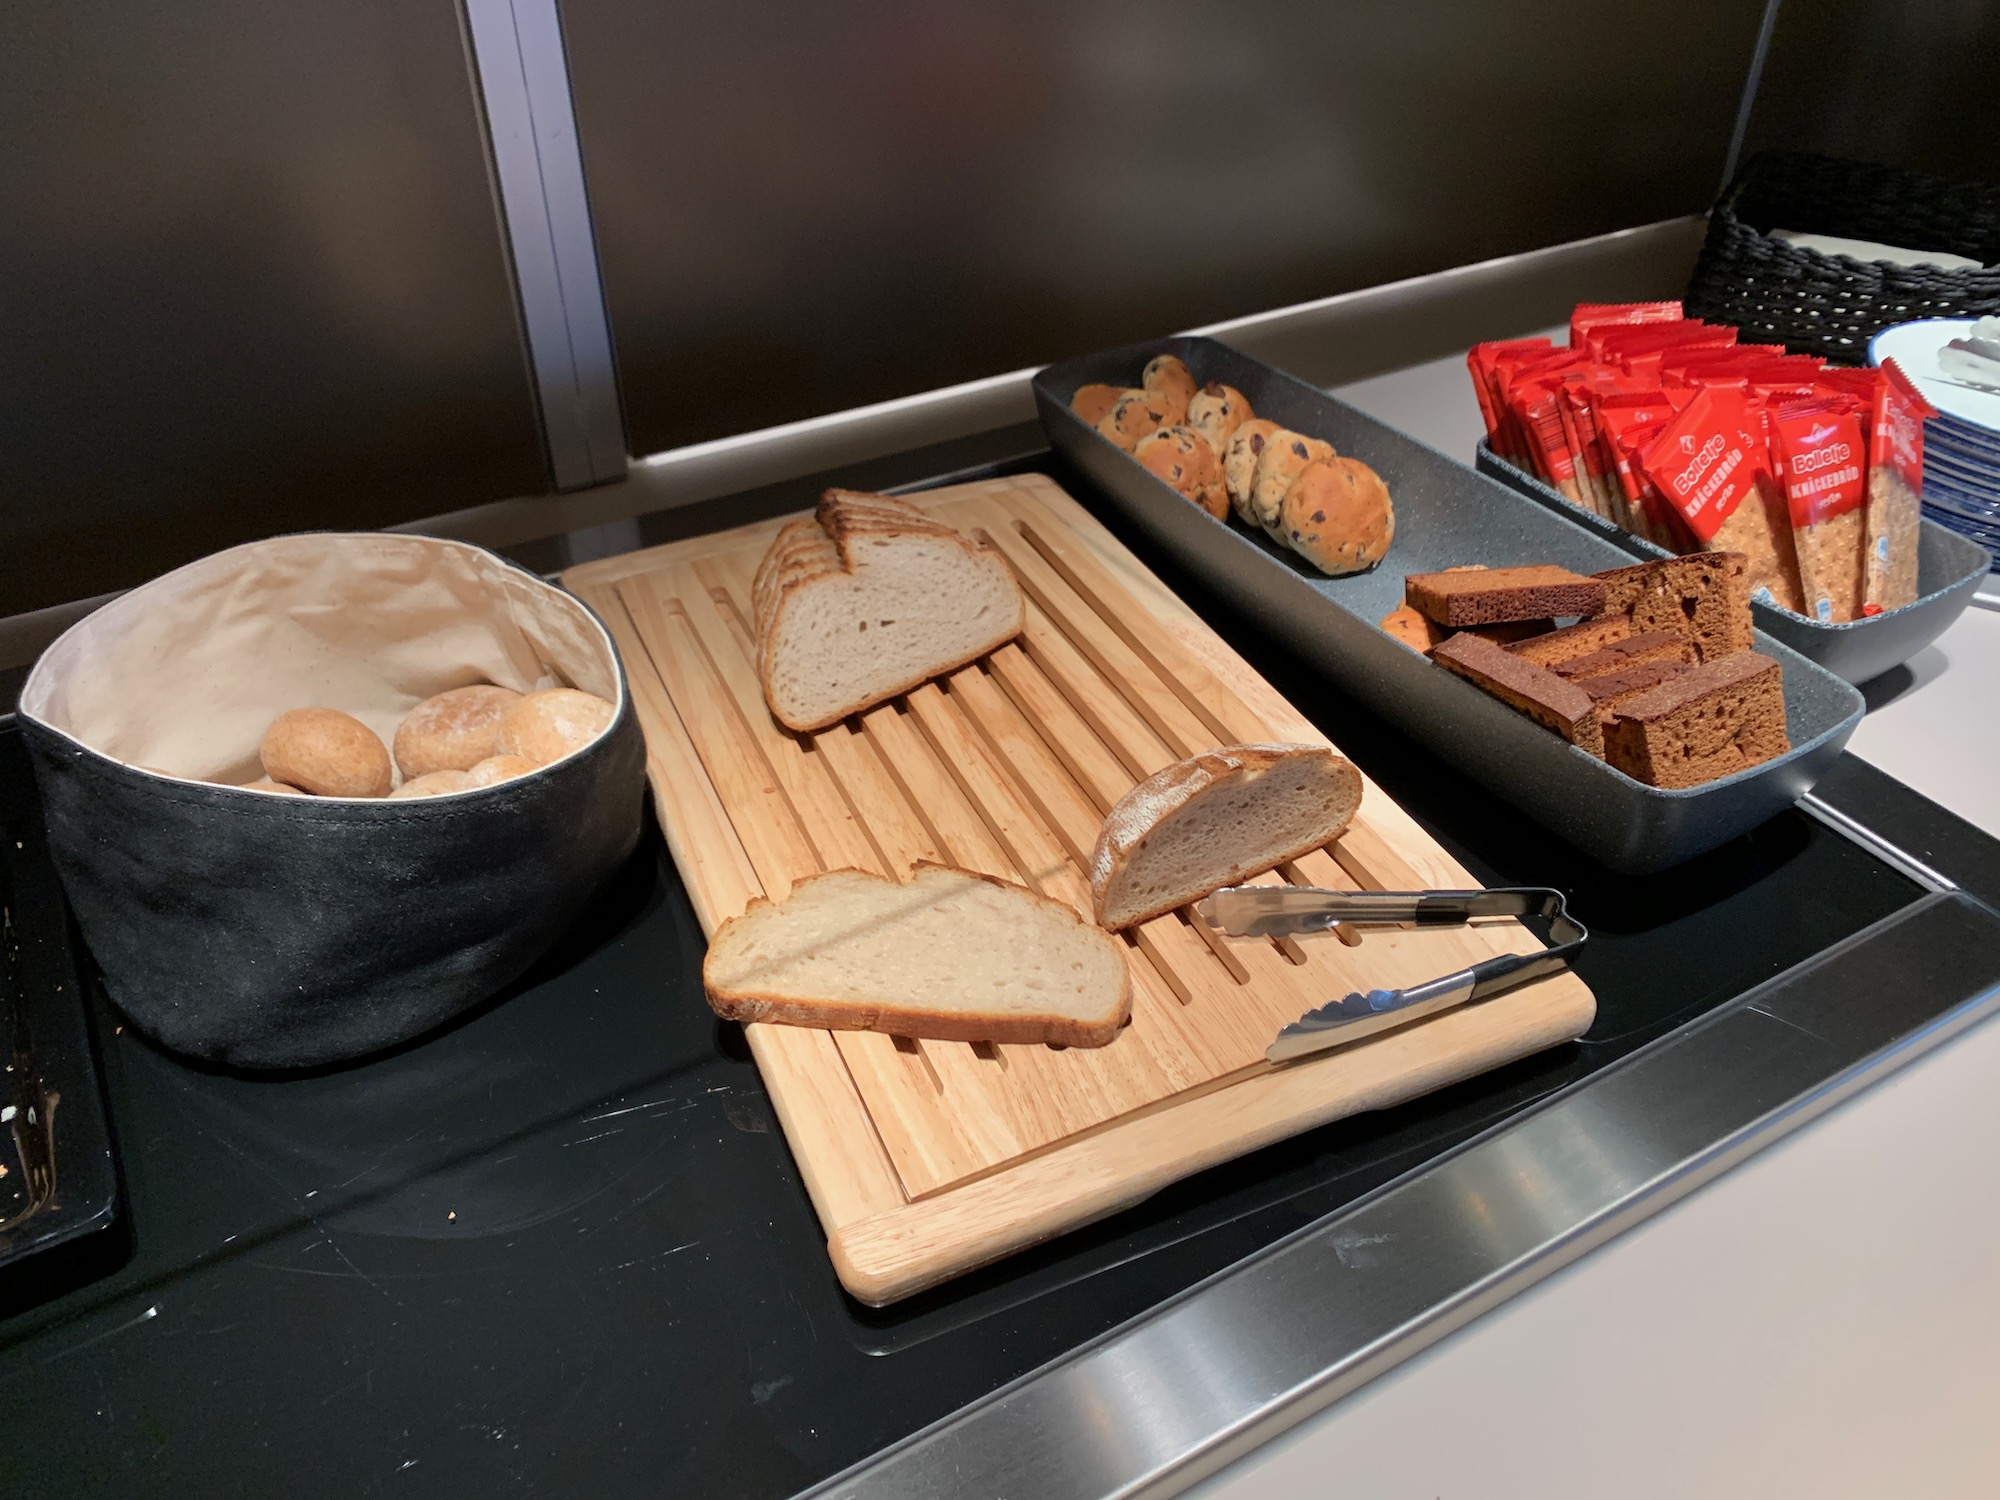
(926, 1158)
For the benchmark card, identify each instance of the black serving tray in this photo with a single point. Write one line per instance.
(60, 1184)
(562, 1243)
(1446, 514)
(1950, 569)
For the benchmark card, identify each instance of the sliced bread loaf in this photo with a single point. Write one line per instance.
(868, 599)
(950, 954)
(1215, 819)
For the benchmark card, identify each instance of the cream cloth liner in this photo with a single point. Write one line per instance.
(183, 675)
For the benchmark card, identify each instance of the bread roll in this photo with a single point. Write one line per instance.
(1169, 377)
(1412, 629)
(266, 784)
(548, 725)
(1136, 415)
(1180, 457)
(436, 784)
(1337, 516)
(452, 731)
(1239, 463)
(498, 768)
(325, 751)
(1216, 411)
(1284, 458)
(1091, 402)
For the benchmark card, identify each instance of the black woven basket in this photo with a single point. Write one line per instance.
(1832, 305)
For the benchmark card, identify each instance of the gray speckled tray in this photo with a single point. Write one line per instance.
(1950, 569)
(1446, 514)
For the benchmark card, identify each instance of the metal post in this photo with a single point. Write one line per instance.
(524, 81)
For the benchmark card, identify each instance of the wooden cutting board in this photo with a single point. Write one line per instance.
(925, 1159)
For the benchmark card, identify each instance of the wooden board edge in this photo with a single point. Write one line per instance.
(909, 1249)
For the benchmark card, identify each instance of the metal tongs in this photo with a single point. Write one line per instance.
(1273, 910)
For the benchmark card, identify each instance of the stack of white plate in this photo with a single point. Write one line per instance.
(1962, 442)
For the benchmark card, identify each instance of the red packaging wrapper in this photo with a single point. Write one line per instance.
(1708, 461)
(1510, 369)
(1621, 344)
(1630, 432)
(1589, 315)
(1480, 362)
(1894, 508)
(1822, 460)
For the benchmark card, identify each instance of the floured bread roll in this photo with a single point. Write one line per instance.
(498, 768)
(327, 752)
(548, 725)
(266, 784)
(434, 784)
(453, 731)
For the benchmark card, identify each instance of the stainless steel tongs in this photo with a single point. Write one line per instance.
(1271, 910)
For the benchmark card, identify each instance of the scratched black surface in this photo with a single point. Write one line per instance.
(561, 1248)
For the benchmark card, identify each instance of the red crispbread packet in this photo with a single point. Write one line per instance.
(1509, 369)
(1479, 360)
(1589, 315)
(1627, 421)
(1822, 461)
(1658, 521)
(1894, 508)
(1707, 461)
(1631, 344)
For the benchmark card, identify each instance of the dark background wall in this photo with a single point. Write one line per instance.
(1913, 83)
(252, 277)
(805, 207)
(251, 281)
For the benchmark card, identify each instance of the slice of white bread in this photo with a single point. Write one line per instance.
(1215, 819)
(868, 599)
(951, 954)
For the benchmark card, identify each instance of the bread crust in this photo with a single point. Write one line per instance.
(749, 1006)
(1180, 457)
(807, 551)
(1167, 791)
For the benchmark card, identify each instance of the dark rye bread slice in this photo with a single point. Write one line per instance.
(1704, 597)
(1633, 651)
(1525, 687)
(1609, 690)
(1492, 596)
(1580, 639)
(1711, 721)
(1507, 632)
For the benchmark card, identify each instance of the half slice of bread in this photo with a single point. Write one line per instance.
(868, 599)
(951, 954)
(1213, 820)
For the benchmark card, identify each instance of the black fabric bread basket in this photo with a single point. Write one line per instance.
(1832, 305)
(269, 931)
